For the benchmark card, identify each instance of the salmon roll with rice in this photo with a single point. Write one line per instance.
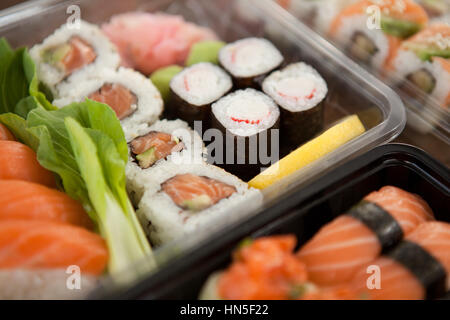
(417, 268)
(165, 140)
(399, 19)
(300, 91)
(249, 121)
(70, 52)
(249, 60)
(194, 89)
(424, 60)
(186, 199)
(375, 225)
(135, 100)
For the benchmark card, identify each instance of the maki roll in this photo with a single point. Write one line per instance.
(186, 199)
(417, 268)
(376, 224)
(300, 91)
(246, 118)
(133, 97)
(194, 89)
(424, 61)
(399, 19)
(70, 52)
(249, 60)
(164, 141)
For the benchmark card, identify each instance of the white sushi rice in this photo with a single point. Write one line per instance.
(193, 153)
(107, 55)
(149, 102)
(291, 87)
(407, 62)
(250, 57)
(201, 84)
(248, 104)
(164, 221)
(352, 24)
(21, 284)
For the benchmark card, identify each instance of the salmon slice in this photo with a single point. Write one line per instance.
(119, 98)
(345, 244)
(265, 268)
(31, 201)
(195, 193)
(163, 145)
(47, 245)
(396, 280)
(5, 134)
(19, 162)
(79, 55)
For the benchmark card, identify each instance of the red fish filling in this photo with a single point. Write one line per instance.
(195, 193)
(71, 56)
(119, 98)
(154, 146)
(266, 268)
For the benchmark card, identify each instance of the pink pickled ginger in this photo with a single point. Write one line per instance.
(147, 42)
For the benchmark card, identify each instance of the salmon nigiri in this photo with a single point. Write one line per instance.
(32, 201)
(19, 162)
(348, 242)
(5, 134)
(30, 244)
(416, 268)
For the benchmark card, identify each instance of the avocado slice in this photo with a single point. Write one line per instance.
(147, 158)
(198, 203)
(55, 55)
(423, 79)
(399, 28)
(205, 51)
(425, 53)
(161, 79)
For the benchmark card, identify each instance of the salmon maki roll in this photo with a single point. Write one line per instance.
(192, 198)
(373, 42)
(424, 61)
(19, 162)
(5, 134)
(49, 245)
(71, 52)
(417, 268)
(134, 99)
(377, 223)
(30, 201)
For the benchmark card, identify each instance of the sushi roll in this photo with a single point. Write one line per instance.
(135, 100)
(70, 52)
(194, 90)
(185, 199)
(165, 140)
(417, 268)
(436, 8)
(318, 14)
(249, 60)
(249, 121)
(424, 61)
(399, 19)
(376, 224)
(300, 91)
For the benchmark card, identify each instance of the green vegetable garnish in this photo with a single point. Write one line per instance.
(161, 79)
(55, 55)
(205, 51)
(84, 144)
(399, 28)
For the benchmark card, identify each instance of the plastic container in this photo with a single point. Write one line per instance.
(395, 164)
(430, 119)
(351, 88)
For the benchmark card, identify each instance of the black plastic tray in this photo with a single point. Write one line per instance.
(305, 212)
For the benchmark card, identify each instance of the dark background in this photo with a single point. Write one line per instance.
(8, 3)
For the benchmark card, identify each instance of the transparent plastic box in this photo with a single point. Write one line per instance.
(426, 120)
(351, 88)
